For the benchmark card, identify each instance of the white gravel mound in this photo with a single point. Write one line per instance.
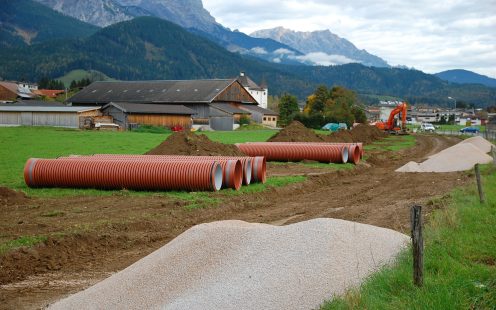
(479, 142)
(238, 265)
(460, 157)
(411, 166)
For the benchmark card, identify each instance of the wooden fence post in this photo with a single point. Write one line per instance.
(417, 245)
(493, 151)
(482, 197)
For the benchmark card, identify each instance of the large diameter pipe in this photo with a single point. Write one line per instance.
(296, 152)
(354, 158)
(232, 170)
(120, 174)
(254, 168)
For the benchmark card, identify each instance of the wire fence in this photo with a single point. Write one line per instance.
(488, 134)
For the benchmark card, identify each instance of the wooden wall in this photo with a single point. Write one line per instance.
(160, 120)
(6, 94)
(234, 93)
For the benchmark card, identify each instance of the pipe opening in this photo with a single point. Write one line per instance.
(247, 172)
(217, 176)
(344, 154)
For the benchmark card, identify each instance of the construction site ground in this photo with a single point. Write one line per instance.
(91, 237)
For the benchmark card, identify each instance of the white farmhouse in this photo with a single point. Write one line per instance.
(259, 93)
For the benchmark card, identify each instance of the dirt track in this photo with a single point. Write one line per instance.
(105, 234)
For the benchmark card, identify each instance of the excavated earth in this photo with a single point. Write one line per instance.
(92, 237)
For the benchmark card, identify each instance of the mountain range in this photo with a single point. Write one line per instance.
(321, 47)
(153, 48)
(189, 14)
(466, 77)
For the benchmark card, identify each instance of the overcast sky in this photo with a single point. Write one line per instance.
(430, 35)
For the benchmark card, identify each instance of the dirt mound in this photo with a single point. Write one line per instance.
(8, 196)
(340, 136)
(188, 143)
(366, 133)
(296, 132)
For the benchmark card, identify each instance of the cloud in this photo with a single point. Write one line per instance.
(429, 35)
(283, 51)
(259, 50)
(323, 59)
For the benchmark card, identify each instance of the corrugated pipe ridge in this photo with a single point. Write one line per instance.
(296, 151)
(120, 174)
(232, 170)
(257, 164)
(354, 155)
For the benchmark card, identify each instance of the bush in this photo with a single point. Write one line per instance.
(244, 120)
(152, 129)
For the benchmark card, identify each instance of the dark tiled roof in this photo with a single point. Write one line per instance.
(180, 91)
(228, 108)
(143, 108)
(213, 112)
(34, 103)
(247, 82)
(255, 108)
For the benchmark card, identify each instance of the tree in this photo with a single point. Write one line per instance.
(321, 96)
(288, 107)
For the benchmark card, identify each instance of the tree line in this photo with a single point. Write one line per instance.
(324, 105)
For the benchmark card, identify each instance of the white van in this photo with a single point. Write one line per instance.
(427, 127)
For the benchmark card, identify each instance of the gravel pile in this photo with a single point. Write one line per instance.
(460, 157)
(238, 265)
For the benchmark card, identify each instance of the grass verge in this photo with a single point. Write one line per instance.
(24, 241)
(459, 261)
(393, 143)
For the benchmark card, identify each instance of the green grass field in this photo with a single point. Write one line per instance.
(459, 261)
(79, 74)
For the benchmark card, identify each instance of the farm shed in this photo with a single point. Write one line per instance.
(232, 110)
(167, 115)
(261, 115)
(47, 115)
(197, 95)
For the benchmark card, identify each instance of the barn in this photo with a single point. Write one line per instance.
(197, 95)
(128, 114)
(44, 115)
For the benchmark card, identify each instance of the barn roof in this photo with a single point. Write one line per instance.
(255, 108)
(166, 91)
(27, 108)
(143, 108)
(247, 82)
(228, 108)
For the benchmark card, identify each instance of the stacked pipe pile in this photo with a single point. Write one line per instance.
(297, 151)
(254, 168)
(145, 172)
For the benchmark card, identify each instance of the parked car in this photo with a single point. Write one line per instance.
(469, 130)
(427, 127)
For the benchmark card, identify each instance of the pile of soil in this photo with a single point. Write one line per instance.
(366, 133)
(188, 143)
(296, 132)
(8, 196)
(340, 136)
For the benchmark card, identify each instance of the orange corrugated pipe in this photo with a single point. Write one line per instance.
(232, 170)
(296, 152)
(258, 173)
(355, 149)
(120, 174)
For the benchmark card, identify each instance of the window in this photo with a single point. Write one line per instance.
(273, 118)
(265, 118)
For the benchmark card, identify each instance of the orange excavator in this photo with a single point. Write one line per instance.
(392, 125)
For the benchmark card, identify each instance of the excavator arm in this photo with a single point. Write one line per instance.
(401, 108)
